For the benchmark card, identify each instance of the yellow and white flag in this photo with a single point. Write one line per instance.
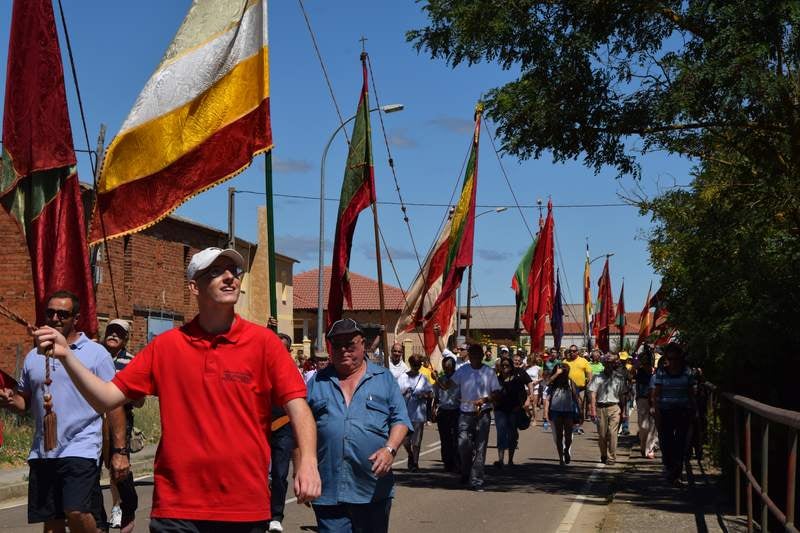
(199, 120)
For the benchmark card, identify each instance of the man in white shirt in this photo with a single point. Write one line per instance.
(397, 366)
(478, 385)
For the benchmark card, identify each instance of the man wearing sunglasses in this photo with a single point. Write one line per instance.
(63, 483)
(217, 378)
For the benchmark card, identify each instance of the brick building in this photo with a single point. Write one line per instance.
(149, 280)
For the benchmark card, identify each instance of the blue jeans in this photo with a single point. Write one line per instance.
(507, 432)
(354, 517)
(473, 435)
(281, 443)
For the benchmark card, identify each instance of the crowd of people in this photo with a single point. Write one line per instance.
(236, 409)
(567, 387)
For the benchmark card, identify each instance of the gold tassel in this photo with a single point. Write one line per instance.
(50, 424)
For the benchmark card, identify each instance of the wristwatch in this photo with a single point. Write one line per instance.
(120, 451)
(392, 451)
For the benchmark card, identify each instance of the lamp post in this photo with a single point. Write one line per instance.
(390, 108)
(469, 274)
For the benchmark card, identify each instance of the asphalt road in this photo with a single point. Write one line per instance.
(534, 495)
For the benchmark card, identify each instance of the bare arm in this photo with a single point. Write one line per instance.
(439, 340)
(119, 463)
(101, 395)
(307, 483)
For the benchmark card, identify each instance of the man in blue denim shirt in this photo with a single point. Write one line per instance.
(361, 421)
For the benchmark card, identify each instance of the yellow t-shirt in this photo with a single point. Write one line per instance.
(578, 369)
(425, 371)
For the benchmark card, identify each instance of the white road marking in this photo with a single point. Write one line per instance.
(572, 513)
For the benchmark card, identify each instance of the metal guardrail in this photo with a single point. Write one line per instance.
(744, 465)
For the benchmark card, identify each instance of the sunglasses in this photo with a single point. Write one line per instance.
(62, 314)
(348, 346)
(217, 271)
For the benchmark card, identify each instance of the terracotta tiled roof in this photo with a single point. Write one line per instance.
(496, 317)
(364, 290)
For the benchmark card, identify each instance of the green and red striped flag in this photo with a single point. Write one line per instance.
(431, 299)
(519, 282)
(358, 192)
(38, 178)
(462, 225)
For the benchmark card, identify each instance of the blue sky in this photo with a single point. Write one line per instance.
(117, 45)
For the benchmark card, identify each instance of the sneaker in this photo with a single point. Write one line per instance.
(567, 456)
(274, 525)
(477, 488)
(546, 427)
(604, 459)
(116, 517)
(580, 431)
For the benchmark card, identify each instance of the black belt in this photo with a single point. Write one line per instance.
(607, 404)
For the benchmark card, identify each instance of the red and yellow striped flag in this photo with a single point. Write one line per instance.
(199, 120)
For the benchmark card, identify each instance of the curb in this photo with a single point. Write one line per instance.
(20, 490)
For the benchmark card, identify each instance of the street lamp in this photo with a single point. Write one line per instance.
(600, 256)
(389, 108)
(495, 210)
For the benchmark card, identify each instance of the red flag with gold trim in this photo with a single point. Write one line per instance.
(38, 178)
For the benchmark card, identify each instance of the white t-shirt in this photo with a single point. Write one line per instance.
(398, 369)
(535, 372)
(412, 389)
(475, 384)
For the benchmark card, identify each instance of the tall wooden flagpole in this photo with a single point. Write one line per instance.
(273, 298)
(381, 301)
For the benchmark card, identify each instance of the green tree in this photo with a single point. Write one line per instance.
(685, 77)
(715, 81)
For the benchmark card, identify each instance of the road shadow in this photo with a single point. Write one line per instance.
(644, 491)
(535, 476)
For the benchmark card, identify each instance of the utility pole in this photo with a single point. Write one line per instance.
(231, 217)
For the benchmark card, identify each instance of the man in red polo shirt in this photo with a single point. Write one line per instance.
(216, 378)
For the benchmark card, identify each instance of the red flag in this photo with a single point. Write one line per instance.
(645, 325)
(605, 309)
(661, 328)
(620, 319)
(358, 192)
(38, 178)
(540, 284)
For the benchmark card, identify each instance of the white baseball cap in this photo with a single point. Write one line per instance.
(124, 324)
(203, 259)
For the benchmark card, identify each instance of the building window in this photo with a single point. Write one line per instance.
(157, 325)
(299, 331)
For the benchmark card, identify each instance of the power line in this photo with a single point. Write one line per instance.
(429, 204)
